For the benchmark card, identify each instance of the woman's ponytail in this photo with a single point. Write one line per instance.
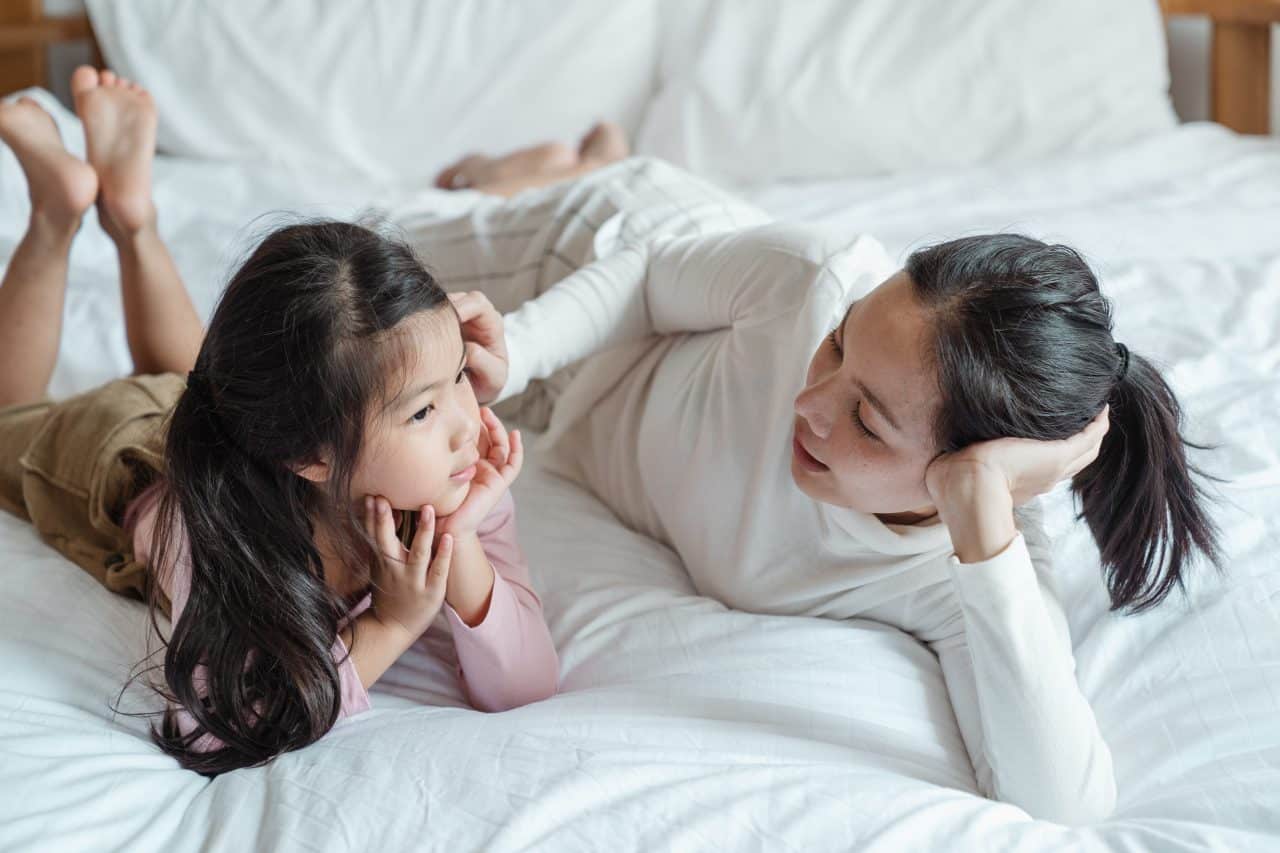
(1144, 508)
(1023, 346)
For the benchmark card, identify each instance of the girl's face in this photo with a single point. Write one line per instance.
(422, 447)
(863, 433)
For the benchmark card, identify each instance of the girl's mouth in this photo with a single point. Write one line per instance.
(463, 476)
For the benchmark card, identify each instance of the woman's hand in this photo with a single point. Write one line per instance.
(484, 341)
(1026, 467)
(408, 584)
(976, 488)
(495, 473)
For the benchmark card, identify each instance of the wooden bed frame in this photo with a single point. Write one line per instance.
(1240, 67)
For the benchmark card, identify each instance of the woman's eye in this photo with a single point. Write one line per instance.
(421, 415)
(462, 374)
(831, 339)
(862, 425)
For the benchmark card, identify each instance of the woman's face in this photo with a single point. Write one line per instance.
(863, 433)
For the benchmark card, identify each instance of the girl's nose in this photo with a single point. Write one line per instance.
(467, 432)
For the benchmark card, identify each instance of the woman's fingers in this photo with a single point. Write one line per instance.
(477, 313)
(483, 363)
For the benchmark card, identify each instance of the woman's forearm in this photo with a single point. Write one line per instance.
(978, 512)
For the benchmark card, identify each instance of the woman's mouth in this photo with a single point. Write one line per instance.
(806, 460)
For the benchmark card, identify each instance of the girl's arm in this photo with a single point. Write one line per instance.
(507, 658)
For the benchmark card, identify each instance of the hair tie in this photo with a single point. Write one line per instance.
(1123, 352)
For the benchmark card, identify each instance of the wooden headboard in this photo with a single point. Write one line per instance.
(1240, 67)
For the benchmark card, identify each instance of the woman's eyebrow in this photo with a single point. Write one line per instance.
(867, 393)
(877, 404)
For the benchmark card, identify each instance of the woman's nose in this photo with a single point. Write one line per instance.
(813, 407)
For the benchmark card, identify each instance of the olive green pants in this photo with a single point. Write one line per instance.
(71, 468)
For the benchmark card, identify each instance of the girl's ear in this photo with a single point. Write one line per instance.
(316, 471)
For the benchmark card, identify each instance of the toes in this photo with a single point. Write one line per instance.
(108, 78)
(84, 78)
(445, 179)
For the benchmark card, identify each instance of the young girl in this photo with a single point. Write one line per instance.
(257, 502)
(817, 433)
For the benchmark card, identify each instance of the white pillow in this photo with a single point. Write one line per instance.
(759, 90)
(394, 89)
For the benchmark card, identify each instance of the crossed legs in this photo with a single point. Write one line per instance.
(162, 327)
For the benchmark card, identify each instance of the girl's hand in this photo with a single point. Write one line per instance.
(495, 473)
(1023, 467)
(484, 341)
(408, 585)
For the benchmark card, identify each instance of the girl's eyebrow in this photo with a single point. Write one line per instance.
(431, 386)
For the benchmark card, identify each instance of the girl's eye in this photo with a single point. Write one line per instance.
(464, 373)
(862, 425)
(421, 415)
(831, 339)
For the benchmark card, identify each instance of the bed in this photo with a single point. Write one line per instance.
(682, 724)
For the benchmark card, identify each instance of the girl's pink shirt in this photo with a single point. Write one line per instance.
(505, 661)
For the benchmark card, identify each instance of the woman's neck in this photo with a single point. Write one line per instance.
(908, 518)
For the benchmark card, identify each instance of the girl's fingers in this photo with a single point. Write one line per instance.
(499, 445)
(516, 460)
(420, 553)
(438, 573)
(387, 540)
(369, 527)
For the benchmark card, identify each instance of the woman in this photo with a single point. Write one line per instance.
(818, 434)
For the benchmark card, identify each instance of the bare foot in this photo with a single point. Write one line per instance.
(604, 144)
(476, 171)
(120, 135)
(61, 186)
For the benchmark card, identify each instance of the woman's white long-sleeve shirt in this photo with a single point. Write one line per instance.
(689, 326)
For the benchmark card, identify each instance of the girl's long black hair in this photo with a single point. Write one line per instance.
(1023, 348)
(297, 353)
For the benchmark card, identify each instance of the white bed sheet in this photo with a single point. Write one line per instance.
(681, 724)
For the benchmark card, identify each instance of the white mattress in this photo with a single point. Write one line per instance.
(681, 724)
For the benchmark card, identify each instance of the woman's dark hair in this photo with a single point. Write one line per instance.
(298, 352)
(1023, 348)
